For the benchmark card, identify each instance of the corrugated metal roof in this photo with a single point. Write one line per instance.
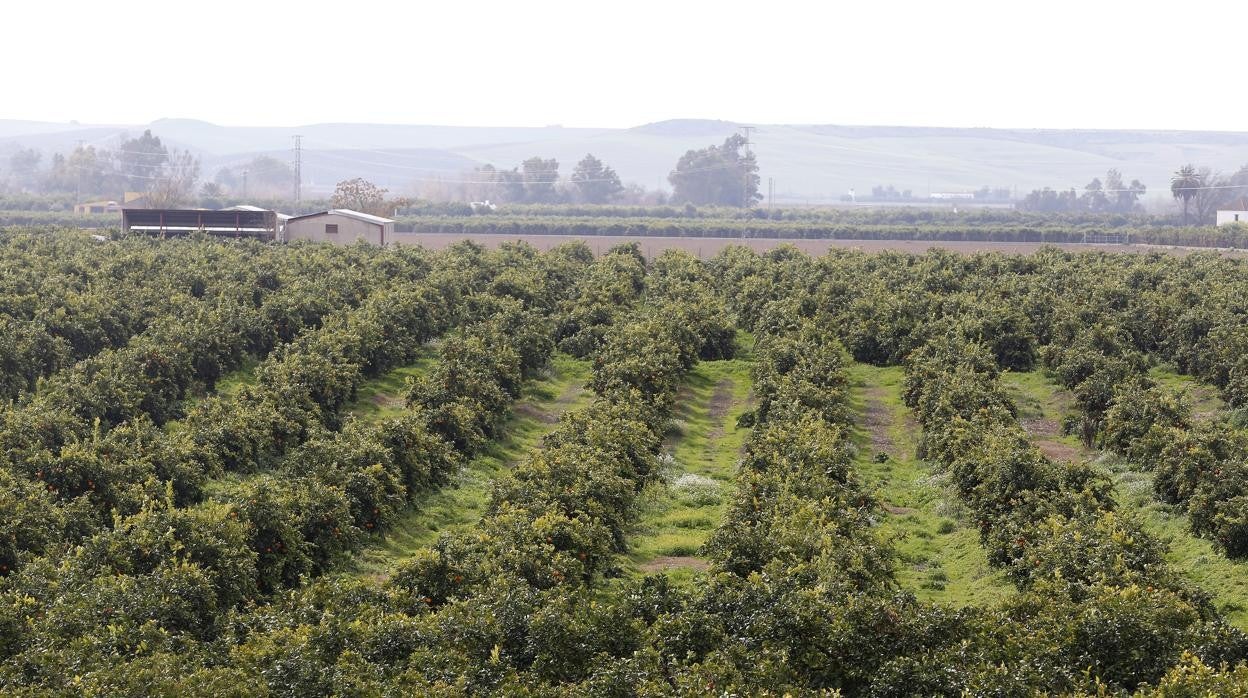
(367, 218)
(248, 207)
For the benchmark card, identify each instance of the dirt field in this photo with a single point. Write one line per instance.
(708, 247)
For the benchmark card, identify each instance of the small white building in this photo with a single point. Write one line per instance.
(340, 226)
(1232, 217)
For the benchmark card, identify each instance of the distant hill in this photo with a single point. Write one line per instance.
(815, 163)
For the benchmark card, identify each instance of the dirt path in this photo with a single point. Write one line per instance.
(1045, 434)
(878, 420)
(939, 556)
(663, 563)
(717, 408)
(679, 514)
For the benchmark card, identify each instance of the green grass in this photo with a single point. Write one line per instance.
(1226, 580)
(705, 442)
(386, 396)
(461, 503)
(1041, 410)
(239, 378)
(939, 556)
(1033, 394)
(1202, 398)
(227, 385)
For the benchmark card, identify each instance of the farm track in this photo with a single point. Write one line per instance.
(939, 555)
(678, 515)
(1040, 399)
(460, 503)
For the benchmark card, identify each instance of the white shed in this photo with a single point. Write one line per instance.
(340, 226)
(1232, 217)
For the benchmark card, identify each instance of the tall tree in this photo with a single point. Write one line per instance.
(1213, 195)
(540, 176)
(175, 183)
(1184, 185)
(86, 172)
(24, 164)
(717, 175)
(362, 195)
(1123, 197)
(595, 182)
(141, 160)
(499, 186)
(1094, 198)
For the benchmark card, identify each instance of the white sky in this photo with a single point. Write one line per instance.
(1044, 63)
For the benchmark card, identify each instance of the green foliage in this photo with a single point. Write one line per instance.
(717, 175)
(163, 537)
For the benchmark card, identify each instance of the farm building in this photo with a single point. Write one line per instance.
(257, 223)
(281, 217)
(97, 207)
(341, 226)
(1232, 217)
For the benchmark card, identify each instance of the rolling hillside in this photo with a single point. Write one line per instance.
(815, 163)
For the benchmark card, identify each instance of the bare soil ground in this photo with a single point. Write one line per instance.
(388, 401)
(536, 413)
(896, 510)
(1042, 428)
(1044, 433)
(709, 247)
(1058, 451)
(877, 419)
(721, 402)
(670, 562)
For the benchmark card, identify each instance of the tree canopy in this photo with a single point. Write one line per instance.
(595, 182)
(717, 175)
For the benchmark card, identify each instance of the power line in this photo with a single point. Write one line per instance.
(298, 169)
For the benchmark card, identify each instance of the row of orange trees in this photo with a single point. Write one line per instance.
(168, 574)
(67, 298)
(232, 589)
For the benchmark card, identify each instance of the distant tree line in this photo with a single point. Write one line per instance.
(880, 192)
(537, 180)
(1109, 196)
(143, 164)
(718, 175)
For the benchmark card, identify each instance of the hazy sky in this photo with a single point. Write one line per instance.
(954, 63)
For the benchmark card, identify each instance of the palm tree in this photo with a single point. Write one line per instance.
(1184, 185)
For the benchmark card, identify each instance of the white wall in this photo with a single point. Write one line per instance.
(1232, 217)
(349, 230)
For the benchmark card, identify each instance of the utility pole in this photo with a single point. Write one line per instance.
(244, 185)
(745, 171)
(78, 178)
(298, 171)
(771, 192)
